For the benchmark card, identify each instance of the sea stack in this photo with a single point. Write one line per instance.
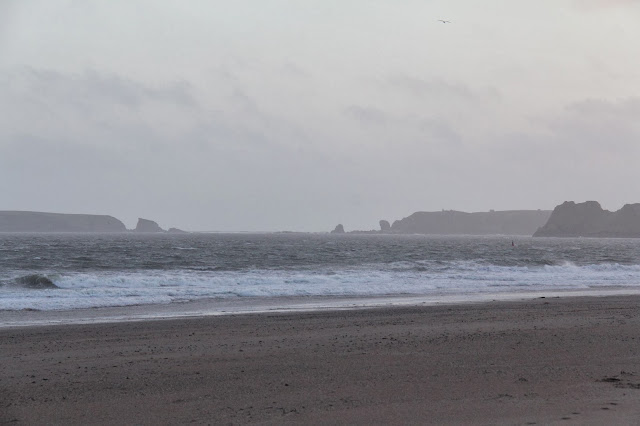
(146, 225)
(339, 229)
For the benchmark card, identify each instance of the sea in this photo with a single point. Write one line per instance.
(60, 278)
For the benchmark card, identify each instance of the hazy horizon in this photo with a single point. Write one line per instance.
(288, 115)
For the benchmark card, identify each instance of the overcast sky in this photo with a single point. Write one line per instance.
(298, 114)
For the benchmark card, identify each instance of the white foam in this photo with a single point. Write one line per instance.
(219, 307)
(103, 289)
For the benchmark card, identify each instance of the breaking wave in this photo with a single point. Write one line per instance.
(117, 288)
(30, 282)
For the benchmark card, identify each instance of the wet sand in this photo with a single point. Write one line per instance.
(543, 361)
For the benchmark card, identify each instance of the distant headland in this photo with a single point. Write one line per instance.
(24, 221)
(568, 219)
(589, 219)
(452, 222)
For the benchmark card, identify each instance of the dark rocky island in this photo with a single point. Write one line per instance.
(146, 225)
(176, 231)
(19, 221)
(451, 222)
(339, 229)
(589, 219)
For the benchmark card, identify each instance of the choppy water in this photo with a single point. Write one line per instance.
(129, 269)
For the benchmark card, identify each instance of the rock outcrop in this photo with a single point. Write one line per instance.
(451, 222)
(21, 221)
(589, 219)
(339, 229)
(385, 226)
(146, 225)
(176, 231)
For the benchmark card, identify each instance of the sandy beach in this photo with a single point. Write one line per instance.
(542, 361)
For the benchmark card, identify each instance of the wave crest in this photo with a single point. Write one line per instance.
(35, 282)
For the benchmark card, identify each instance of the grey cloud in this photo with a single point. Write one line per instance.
(367, 115)
(43, 160)
(608, 128)
(626, 108)
(440, 89)
(582, 135)
(245, 102)
(92, 87)
(295, 71)
(131, 93)
(127, 115)
(431, 89)
(439, 129)
(92, 108)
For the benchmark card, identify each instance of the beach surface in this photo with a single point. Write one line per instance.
(564, 360)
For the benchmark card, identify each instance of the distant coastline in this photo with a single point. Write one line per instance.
(589, 219)
(452, 222)
(569, 219)
(29, 221)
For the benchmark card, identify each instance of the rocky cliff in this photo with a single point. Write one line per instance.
(176, 231)
(19, 221)
(146, 225)
(339, 229)
(589, 219)
(450, 222)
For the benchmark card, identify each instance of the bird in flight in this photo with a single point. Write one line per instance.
(444, 21)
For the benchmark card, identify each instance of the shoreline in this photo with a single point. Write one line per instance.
(569, 360)
(292, 304)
